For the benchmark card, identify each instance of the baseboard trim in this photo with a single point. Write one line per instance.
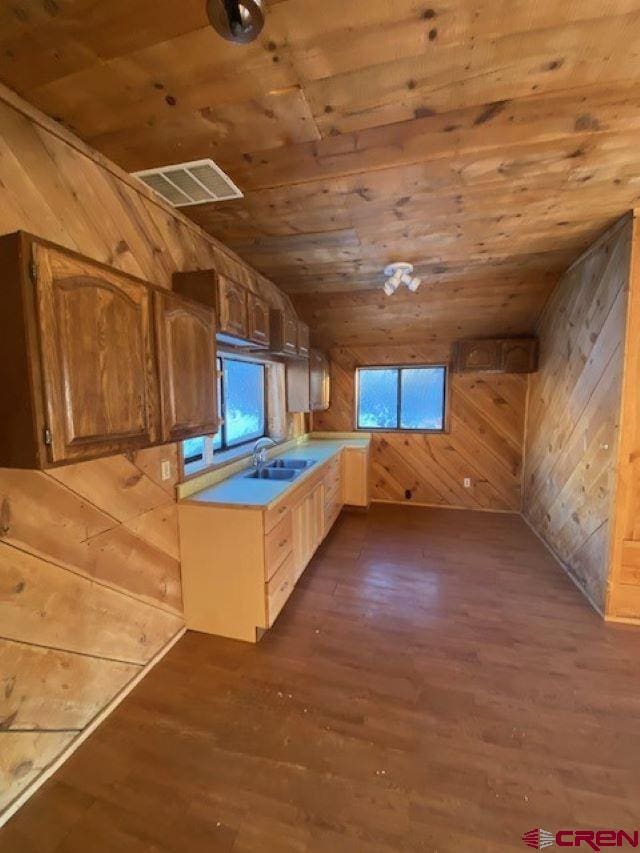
(445, 506)
(48, 771)
(564, 568)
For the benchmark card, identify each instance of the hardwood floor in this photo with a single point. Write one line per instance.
(434, 684)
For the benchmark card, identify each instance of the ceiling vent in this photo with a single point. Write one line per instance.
(197, 182)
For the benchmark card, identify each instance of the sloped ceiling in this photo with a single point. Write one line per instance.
(487, 142)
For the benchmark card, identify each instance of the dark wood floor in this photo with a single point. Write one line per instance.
(434, 684)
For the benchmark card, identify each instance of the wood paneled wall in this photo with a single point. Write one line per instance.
(574, 406)
(484, 442)
(89, 561)
(623, 599)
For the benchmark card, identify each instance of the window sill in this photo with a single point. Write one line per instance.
(225, 458)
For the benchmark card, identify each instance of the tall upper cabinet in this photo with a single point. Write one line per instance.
(186, 340)
(79, 370)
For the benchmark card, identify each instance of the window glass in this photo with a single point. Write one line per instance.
(422, 396)
(401, 398)
(242, 412)
(378, 399)
(243, 405)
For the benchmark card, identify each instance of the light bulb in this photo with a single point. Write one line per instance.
(389, 289)
(414, 284)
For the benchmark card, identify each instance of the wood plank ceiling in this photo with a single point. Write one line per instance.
(488, 142)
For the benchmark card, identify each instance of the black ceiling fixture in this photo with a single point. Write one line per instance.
(240, 21)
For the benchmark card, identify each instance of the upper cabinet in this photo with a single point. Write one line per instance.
(258, 320)
(497, 355)
(78, 371)
(186, 340)
(232, 309)
(80, 376)
(303, 339)
(319, 382)
(284, 332)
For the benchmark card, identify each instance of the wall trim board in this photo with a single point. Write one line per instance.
(48, 771)
(445, 506)
(564, 568)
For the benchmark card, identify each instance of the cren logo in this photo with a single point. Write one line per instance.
(538, 838)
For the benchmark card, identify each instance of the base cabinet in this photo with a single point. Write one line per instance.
(240, 565)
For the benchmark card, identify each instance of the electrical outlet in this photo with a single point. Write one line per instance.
(467, 482)
(165, 469)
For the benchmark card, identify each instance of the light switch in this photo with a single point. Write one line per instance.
(467, 482)
(165, 469)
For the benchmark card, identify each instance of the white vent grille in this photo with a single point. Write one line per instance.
(190, 183)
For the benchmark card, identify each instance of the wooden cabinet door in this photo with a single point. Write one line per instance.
(186, 336)
(519, 355)
(478, 355)
(297, 376)
(97, 359)
(290, 333)
(355, 477)
(318, 381)
(303, 339)
(232, 308)
(258, 317)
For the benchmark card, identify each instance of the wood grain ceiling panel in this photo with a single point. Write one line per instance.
(486, 142)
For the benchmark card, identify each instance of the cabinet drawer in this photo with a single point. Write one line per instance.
(278, 543)
(278, 590)
(275, 515)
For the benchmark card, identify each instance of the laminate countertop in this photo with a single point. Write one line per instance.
(242, 491)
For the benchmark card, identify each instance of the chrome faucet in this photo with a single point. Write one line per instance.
(260, 451)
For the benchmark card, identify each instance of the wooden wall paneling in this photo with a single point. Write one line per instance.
(114, 485)
(23, 757)
(50, 689)
(484, 442)
(49, 606)
(623, 593)
(574, 406)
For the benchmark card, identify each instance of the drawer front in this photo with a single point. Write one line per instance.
(278, 590)
(275, 515)
(278, 544)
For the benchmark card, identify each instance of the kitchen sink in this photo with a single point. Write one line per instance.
(290, 463)
(273, 474)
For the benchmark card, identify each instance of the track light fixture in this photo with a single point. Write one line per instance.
(400, 273)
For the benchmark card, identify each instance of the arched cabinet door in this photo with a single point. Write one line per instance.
(186, 335)
(99, 381)
(232, 308)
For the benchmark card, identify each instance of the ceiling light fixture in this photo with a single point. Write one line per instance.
(239, 21)
(400, 273)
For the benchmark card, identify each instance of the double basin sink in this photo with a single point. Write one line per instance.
(280, 469)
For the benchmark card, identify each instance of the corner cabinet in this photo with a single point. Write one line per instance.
(497, 355)
(186, 340)
(79, 370)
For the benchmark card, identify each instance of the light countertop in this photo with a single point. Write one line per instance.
(239, 490)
